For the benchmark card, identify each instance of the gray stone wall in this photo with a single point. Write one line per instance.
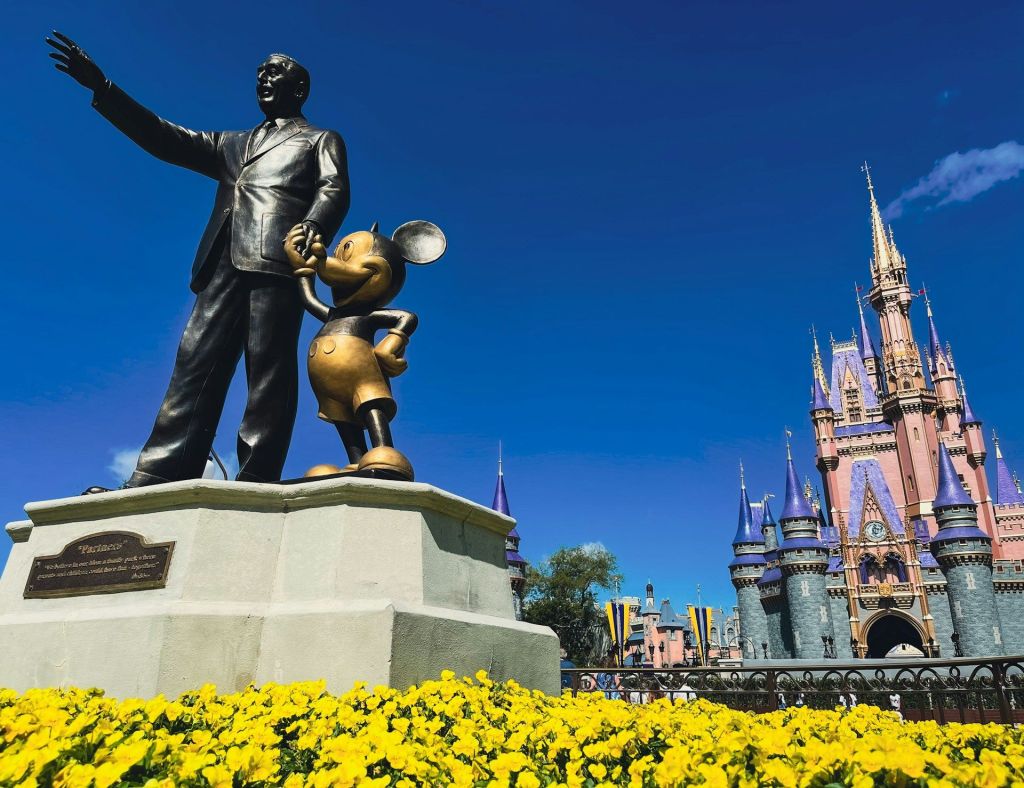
(840, 611)
(753, 621)
(938, 606)
(1010, 606)
(809, 614)
(973, 609)
(777, 622)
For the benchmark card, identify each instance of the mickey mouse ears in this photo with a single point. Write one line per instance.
(421, 242)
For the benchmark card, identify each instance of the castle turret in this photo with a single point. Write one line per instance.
(940, 365)
(970, 426)
(1007, 486)
(964, 552)
(803, 559)
(770, 589)
(824, 419)
(872, 363)
(746, 569)
(516, 563)
(890, 296)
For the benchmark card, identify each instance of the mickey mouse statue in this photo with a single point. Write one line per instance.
(348, 372)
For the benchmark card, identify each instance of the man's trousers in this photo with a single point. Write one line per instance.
(235, 312)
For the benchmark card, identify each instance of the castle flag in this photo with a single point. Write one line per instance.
(700, 620)
(617, 626)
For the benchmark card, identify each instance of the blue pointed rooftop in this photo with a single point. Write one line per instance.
(867, 345)
(746, 533)
(950, 491)
(500, 503)
(820, 401)
(766, 514)
(967, 416)
(669, 619)
(1006, 487)
(935, 344)
(796, 506)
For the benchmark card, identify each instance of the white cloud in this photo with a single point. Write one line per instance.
(123, 465)
(960, 177)
(593, 547)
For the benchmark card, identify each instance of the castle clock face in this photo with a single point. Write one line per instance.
(875, 531)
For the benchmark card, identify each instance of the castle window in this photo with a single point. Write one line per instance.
(962, 541)
(910, 483)
(894, 568)
(917, 434)
(853, 404)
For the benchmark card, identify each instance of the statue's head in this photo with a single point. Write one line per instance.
(367, 269)
(282, 86)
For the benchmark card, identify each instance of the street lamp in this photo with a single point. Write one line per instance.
(854, 643)
(650, 650)
(957, 651)
(661, 652)
(764, 648)
(638, 656)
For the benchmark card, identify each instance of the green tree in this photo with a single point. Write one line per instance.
(561, 593)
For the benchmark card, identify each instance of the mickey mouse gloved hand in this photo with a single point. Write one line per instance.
(389, 352)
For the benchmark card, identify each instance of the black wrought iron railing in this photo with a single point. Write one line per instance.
(950, 690)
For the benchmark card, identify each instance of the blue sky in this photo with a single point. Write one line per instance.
(647, 206)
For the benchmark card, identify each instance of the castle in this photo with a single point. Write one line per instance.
(516, 563)
(910, 551)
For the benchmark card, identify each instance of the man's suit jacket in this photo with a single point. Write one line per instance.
(298, 173)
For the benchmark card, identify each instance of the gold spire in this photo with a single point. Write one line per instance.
(927, 300)
(896, 256)
(816, 365)
(883, 254)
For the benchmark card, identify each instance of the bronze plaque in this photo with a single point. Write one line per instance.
(103, 563)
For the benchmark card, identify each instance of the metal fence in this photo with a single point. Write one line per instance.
(948, 690)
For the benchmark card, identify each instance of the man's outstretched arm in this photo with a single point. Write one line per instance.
(165, 140)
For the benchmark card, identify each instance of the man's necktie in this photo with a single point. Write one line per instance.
(261, 133)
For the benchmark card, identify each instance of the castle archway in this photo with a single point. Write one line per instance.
(888, 631)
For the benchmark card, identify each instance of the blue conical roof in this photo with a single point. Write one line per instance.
(820, 401)
(967, 416)
(745, 531)
(500, 503)
(950, 491)
(767, 518)
(935, 344)
(1006, 486)
(867, 345)
(796, 506)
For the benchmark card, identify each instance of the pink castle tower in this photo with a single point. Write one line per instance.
(878, 420)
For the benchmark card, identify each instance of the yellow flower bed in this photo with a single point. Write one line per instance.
(467, 733)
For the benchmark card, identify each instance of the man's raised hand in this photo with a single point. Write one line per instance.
(72, 59)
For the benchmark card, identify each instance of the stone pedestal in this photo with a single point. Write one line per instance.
(344, 580)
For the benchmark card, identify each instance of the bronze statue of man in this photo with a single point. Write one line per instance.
(282, 173)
